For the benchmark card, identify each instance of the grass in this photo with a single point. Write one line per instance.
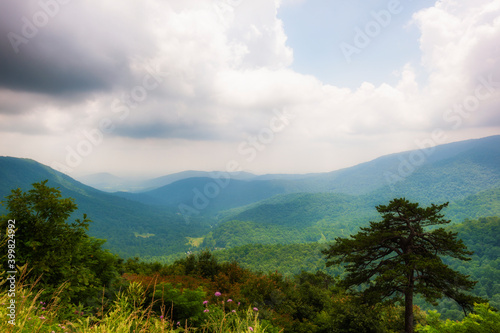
(143, 235)
(127, 314)
(195, 242)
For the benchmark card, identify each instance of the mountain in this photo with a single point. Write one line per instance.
(320, 217)
(291, 218)
(110, 183)
(207, 196)
(169, 179)
(475, 162)
(131, 228)
(466, 174)
(223, 211)
(442, 173)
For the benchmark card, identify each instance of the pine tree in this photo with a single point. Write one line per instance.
(398, 256)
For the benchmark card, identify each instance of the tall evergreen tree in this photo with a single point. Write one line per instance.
(398, 256)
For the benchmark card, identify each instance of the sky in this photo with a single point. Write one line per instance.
(148, 88)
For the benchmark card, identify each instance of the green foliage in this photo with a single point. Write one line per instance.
(126, 314)
(397, 255)
(481, 237)
(181, 305)
(114, 219)
(289, 260)
(481, 204)
(225, 317)
(57, 252)
(290, 219)
(484, 319)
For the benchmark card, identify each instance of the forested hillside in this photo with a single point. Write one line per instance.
(444, 173)
(320, 217)
(275, 209)
(480, 236)
(130, 228)
(272, 246)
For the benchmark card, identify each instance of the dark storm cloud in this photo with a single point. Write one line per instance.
(194, 131)
(53, 57)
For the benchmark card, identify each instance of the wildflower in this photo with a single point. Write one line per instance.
(205, 302)
(234, 311)
(217, 294)
(250, 328)
(206, 310)
(178, 323)
(43, 307)
(239, 303)
(161, 317)
(42, 317)
(229, 300)
(255, 309)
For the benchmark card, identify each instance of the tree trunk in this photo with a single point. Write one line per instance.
(409, 307)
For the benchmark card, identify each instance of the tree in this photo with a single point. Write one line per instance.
(56, 251)
(398, 256)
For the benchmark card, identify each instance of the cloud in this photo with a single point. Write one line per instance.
(200, 73)
(59, 49)
(460, 51)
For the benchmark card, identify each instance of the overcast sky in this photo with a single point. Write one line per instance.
(293, 86)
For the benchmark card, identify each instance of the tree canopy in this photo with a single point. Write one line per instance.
(55, 251)
(399, 256)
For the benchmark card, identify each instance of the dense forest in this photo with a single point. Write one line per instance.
(221, 291)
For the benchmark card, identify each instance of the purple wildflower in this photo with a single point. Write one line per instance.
(217, 294)
(250, 328)
(229, 300)
(206, 310)
(205, 302)
(255, 309)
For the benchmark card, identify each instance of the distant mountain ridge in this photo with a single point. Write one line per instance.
(111, 183)
(273, 209)
(448, 172)
(116, 219)
(359, 179)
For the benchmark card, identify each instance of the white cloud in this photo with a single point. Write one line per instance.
(224, 67)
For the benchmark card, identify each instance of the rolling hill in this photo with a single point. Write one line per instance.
(275, 209)
(122, 222)
(110, 183)
(443, 173)
(207, 196)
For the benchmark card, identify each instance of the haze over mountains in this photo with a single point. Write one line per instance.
(225, 210)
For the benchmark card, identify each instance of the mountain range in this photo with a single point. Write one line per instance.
(176, 213)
